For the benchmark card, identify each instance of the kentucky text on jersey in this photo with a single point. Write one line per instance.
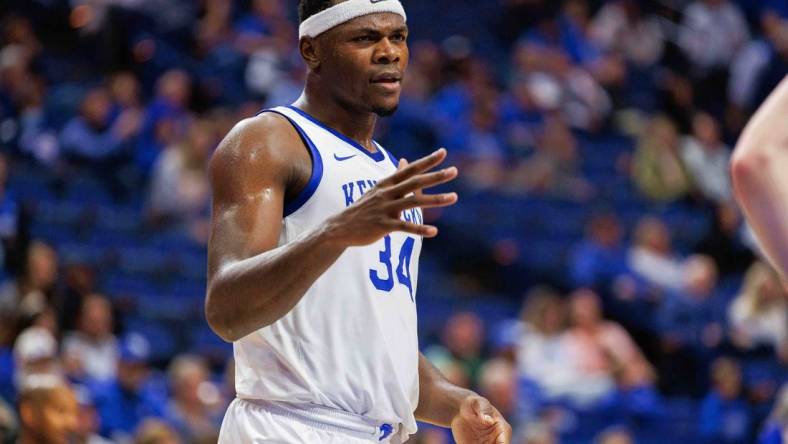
(354, 190)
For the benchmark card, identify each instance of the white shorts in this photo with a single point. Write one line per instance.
(262, 422)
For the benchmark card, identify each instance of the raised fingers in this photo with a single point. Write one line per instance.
(417, 167)
(417, 183)
(411, 228)
(424, 201)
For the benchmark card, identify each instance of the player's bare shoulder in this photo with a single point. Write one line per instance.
(259, 151)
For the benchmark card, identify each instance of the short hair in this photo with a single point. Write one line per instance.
(308, 8)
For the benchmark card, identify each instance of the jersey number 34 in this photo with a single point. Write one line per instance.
(386, 283)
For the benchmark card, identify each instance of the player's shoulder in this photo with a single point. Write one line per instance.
(262, 142)
(259, 135)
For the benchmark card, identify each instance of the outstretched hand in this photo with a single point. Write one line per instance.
(478, 422)
(379, 211)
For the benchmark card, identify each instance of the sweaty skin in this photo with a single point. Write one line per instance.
(355, 72)
(760, 176)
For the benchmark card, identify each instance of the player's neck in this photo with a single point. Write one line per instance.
(359, 126)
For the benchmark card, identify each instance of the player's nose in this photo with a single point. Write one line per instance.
(386, 52)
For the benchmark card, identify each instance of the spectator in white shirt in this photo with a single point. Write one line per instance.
(712, 33)
(92, 350)
(707, 158)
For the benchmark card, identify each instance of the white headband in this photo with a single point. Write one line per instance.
(344, 12)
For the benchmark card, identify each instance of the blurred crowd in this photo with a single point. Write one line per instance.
(606, 288)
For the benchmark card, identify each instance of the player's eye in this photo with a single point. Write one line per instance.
(398, 38)
(364, 38)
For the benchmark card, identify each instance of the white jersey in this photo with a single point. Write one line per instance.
(351, 342)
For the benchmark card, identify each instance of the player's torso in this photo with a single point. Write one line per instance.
(351, 342)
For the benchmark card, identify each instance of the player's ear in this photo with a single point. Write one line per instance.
(309, 52)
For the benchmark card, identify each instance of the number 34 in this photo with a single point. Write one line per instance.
(403, 268)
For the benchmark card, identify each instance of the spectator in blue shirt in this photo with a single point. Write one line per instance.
(92, 136)
(96, 141)
(166, 117)
(124, 402)
(725, 417)
(600, 257)
(694, 316)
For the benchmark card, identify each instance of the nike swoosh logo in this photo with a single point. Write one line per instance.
(376, 1)
(342, 159)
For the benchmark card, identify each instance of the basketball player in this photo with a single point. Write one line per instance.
(760, 176)
(313, 257)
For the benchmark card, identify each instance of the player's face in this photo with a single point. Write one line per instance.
(363, 62)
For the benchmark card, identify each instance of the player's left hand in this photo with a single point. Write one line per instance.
(480, 423)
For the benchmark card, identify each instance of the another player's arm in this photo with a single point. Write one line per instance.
(251, 282)
(471, 417)
(759, 168)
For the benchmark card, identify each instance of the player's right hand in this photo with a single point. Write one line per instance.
(379, 211)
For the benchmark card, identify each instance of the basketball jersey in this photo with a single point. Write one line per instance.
(351, 341)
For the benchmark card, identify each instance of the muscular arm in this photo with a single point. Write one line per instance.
(759, 168)
(251, 282)
(439, 400)
(471, 417)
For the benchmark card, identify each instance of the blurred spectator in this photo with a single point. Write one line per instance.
(37, 139)
(543, 353)
(728, 241)
(481, 147)
(775, 430)
(124, 90)
(179, 190)
(196, 407)
(153, 431)
(124, 402)
(711, 33)
(724, 416)
(80, 282)
(498, 383)
(88, 421)
(166, 117)
(24, 298)
(553, 169)
(759, 314)
(99, 142)
(691, 326)
(604, 352)
(35, 354)
(693, 316)
(556, 84)
(48, 411)
(651, 257)
(614, 435)
(463, 338)
(622, 26)
(91, 351)
(707, 159)
(657, 169)
(600, 257)
(266, 36)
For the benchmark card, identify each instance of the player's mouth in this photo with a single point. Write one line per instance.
(390, 81)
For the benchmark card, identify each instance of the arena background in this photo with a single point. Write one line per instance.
(596, 280)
